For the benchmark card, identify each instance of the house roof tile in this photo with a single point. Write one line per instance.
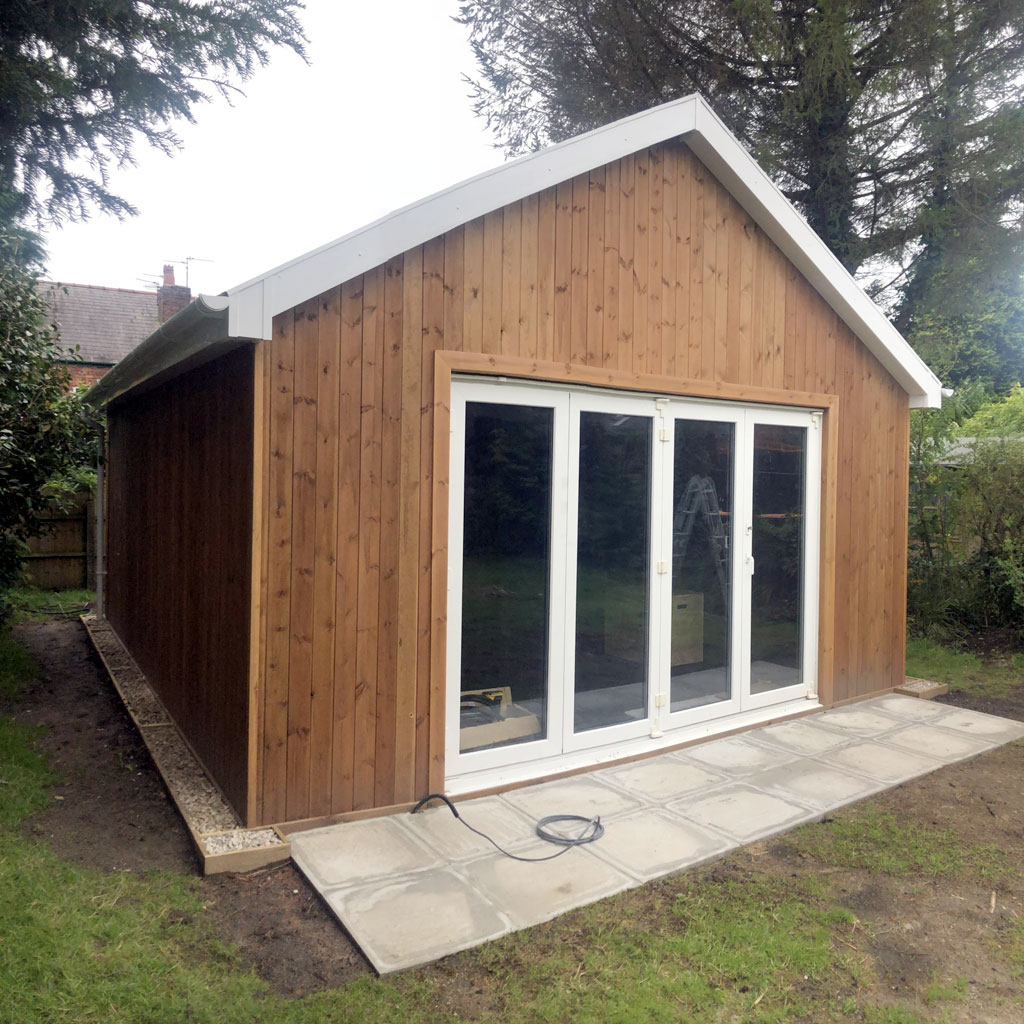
(104, 323)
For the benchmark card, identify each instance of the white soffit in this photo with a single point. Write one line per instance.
(254, 304)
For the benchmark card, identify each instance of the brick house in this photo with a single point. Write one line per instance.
(105, 324)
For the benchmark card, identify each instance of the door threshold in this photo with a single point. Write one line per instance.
(567, 763)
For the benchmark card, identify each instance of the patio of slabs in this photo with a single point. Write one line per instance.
(412, 888)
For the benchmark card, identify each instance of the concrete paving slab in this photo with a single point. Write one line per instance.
(411, 889)
(909, 707)
(441, 831)
(532, 893)
(817, 785)
(659, 779)
(804, 736)
(581, 794)
(946, 745)
(861, 720)
(413, 920)
(736, 756)
(359, 850)
(742, 812)
(877, 761)
(974, 723)
(648, 844)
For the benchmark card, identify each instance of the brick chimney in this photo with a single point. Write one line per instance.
(170, 297)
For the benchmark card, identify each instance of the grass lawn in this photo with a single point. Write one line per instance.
(29, 604)
(964, 671)
(770, 935)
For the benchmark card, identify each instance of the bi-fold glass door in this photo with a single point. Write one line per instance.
(622, 565)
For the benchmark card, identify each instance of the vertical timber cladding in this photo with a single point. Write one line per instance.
(644, 266)
(179, 553)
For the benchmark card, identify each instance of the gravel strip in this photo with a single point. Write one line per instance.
(243, 839)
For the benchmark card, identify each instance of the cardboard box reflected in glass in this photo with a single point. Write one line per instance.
(489, 718)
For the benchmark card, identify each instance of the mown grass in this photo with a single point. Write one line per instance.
(927, 659)
(719, 944)
(869, 838)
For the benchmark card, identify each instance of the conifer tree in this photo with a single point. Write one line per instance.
(895, 126)
(82, 82)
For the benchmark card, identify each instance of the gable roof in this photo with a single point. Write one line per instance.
(105, 323)
(247, 310)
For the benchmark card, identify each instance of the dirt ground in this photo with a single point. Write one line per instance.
(113, 813)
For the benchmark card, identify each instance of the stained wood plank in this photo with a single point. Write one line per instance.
(454, 284)
(596, 295)
(492, 259)
(641, 259)
(627, 244)
(472, 287)
(696, 366)
(390, 544)
(579, 263)
(258, 610)
(669, 248)
(681, 327)
(655, 256)
(511, 274)
(325, 552)
(367, 614)
(610, 271)
(407, 632)
(564, 243)
(303, 523)
(348, 547)
(275, 716)
(528, 278)
(725, 226)
(435, 314)
(709, 302)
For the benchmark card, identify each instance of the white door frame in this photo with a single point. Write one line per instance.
(567, 403)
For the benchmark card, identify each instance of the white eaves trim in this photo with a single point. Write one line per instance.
(253, 305)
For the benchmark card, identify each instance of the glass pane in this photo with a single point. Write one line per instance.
(505, 573)
(612, 558)
(702, 543)
(778, 547)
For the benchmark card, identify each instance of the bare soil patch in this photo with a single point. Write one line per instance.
(913, 932)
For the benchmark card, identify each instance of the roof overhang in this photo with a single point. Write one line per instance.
(191, 337)
(251, 306)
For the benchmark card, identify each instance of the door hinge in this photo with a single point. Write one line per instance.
(662, 568)
(663, 435)
(660, 700)
(816, 418)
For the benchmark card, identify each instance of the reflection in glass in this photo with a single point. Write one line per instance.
(612, 570)
(505, 574)
(702, 543)
(778, 548)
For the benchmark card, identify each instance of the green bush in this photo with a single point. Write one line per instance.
(966, 564)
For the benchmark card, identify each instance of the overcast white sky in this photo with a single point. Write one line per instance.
(379, 119)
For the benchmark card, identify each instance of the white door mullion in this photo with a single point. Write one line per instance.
(743, 559)
(660, 597)
(571, 528)
(559, 626)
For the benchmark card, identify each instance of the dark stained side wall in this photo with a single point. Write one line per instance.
(179, 552)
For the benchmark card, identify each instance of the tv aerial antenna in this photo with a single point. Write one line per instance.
(187, 263)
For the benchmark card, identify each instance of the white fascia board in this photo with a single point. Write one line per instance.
(254, 303)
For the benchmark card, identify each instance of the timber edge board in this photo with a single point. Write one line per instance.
(246, 859)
